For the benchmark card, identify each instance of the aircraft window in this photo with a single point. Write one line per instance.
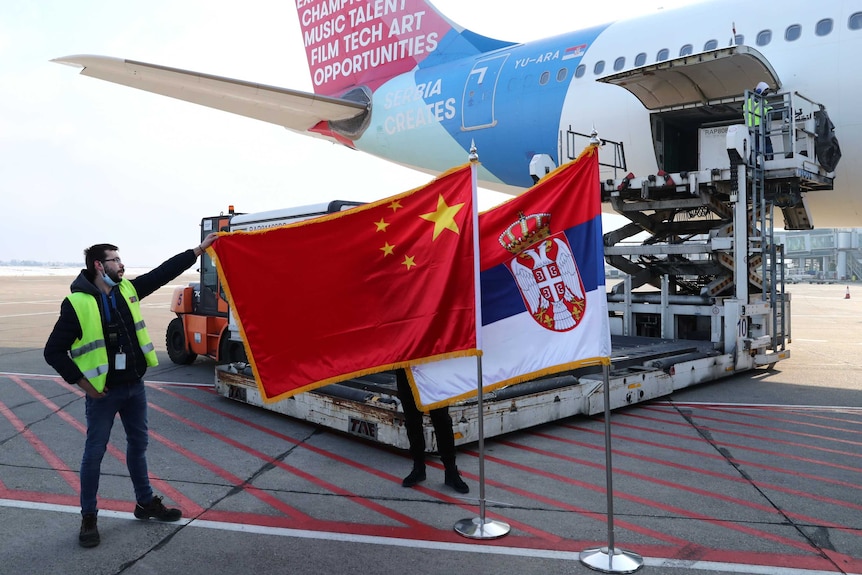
(686, 50)
(854, 22)
(619, 64)
(710, 45)
(640, 60)
(662, 55)
(599, 67)
(738, 40)
(824, 27)
(793, 32)
(543, 79)
(579, 72)
(562, 73)
(764, 37)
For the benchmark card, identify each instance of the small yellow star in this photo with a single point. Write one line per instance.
(387, 249)
(409, 261)
(443, 217)
(381, 225)
(396, 205)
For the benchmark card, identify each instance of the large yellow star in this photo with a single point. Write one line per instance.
(443, 217)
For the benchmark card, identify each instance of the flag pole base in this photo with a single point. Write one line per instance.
(600, 559)
(475, 528)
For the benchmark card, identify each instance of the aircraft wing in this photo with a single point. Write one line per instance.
(292, 109)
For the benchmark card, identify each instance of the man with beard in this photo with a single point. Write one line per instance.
(100, 343)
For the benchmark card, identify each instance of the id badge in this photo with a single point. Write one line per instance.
(120, 361)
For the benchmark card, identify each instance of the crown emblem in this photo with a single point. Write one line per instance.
(526, 231)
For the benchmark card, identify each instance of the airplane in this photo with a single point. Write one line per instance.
(399, 80)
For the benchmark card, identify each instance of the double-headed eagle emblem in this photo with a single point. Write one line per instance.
(546, 272)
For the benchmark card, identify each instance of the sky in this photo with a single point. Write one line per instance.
(84, 161)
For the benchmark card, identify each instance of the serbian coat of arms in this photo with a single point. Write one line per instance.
(546, 272)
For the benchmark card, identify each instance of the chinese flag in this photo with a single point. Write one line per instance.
(384, 285)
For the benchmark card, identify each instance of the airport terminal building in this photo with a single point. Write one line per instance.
(833, 254)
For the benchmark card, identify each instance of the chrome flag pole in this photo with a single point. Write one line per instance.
(609, 559)
(479, 527)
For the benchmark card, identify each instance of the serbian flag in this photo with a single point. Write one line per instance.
(543, 300)
(384, 285)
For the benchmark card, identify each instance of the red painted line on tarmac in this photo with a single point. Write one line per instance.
(742, 407)
(726, 476)
(57, 464)
(232, 479)
(432, 533)
(154, 480)
(799, 423)
(289, 468)
(716, 457)
(598, 516)
(703, 493)
(811, 411)
(776, 454)
(825, 438)
(683, 551)
(423, 532)
(41, 497)
(663, 506)
(690, 551)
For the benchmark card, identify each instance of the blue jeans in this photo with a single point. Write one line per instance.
(130, 401)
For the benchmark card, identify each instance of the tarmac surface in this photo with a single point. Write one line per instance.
(758, 473)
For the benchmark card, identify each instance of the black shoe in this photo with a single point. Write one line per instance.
(416, 476)
(155, 509)
(89, 534)
(453, 480)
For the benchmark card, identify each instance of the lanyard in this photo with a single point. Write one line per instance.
(105, 305)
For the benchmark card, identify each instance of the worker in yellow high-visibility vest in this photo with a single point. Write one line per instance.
(100, 343)
(757, 113)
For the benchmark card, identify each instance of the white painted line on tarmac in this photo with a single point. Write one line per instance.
(177, 383)
(432, 545)
(37, 375)
(148, 381)
(55, 312)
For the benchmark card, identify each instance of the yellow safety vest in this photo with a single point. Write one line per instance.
(89, 353)
(754, 113)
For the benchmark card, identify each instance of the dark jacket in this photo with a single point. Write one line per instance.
(68, 329)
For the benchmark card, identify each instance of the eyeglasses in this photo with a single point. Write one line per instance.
(118, 260)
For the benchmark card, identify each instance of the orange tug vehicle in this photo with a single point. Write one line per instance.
(201, 325)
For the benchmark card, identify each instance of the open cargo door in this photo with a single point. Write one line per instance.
(697, 79)
(693, 92)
